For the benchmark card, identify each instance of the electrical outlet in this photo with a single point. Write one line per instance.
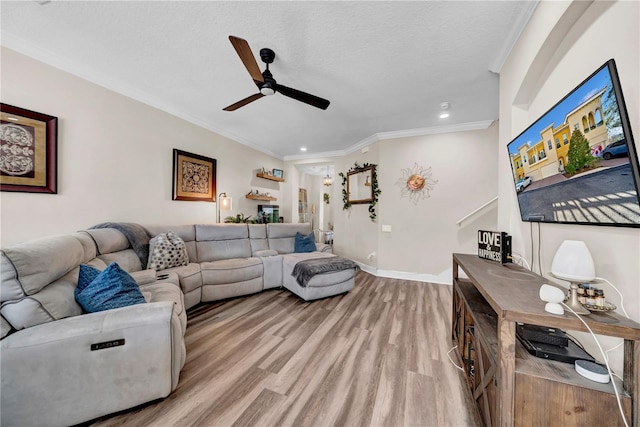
(386, 228)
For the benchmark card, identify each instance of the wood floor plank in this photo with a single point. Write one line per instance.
(420, 406)
(375, 356)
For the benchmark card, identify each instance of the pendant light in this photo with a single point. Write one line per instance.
(327, 180)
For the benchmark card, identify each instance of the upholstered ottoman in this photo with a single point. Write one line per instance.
(321, 285)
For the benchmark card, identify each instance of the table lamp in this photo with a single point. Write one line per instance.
(573, 263)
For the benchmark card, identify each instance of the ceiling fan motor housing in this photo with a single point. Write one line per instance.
(267, 55)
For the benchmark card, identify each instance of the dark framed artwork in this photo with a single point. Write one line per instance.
(28, 151)
(278, 173)
(194, 177)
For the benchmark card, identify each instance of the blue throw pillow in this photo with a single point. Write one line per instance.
(104, 290)
(304, 243)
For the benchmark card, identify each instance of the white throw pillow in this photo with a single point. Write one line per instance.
(167, 250)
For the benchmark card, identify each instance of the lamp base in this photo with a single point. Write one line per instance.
(573, 302)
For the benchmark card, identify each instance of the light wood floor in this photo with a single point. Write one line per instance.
(376, 356)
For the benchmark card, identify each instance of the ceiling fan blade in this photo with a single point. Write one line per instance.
(243, 102)
(303, 97)
(246, 56)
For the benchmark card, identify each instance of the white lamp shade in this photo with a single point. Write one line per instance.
(573, 262)
(226, 203)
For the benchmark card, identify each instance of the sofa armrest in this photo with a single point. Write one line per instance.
(144, 277)
(323, 247)
(266, 252)
(76, 369)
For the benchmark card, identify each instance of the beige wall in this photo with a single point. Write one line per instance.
(355, 235)
(424, 235)
(115, 158)
(561, 46)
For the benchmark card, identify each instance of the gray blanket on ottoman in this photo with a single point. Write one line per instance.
(305, 270)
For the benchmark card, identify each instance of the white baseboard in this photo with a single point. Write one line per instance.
(443, 278)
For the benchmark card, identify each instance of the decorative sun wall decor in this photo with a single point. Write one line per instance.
(416, 183)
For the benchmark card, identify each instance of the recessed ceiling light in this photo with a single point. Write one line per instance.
(444, 107)
(303, 148)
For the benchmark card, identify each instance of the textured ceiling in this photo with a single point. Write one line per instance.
(385, 66)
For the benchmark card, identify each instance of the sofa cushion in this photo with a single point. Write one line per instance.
(158, 292)
(281, 237)
(222, 241)
(56, 301)
(108, 240)
(104, 290)
(6, 327)
(28, 267)
(188, 275)
(167, 250)
(221, 232)
(126, 259)
(258, 238)
(231, 271)
(304, 243)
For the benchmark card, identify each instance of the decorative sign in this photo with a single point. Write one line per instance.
(494, 246)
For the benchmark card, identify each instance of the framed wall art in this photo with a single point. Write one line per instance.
(278, 173)
(28, 151)
(194, 177)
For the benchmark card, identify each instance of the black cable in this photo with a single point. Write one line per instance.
(575, 340)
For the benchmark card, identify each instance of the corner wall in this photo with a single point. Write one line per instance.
(562, 45)
(115, 158)
(425, 234)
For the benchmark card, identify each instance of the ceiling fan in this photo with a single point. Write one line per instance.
(265, 81)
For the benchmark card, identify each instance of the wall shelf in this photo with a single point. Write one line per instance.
(265, 198)
(269, 177)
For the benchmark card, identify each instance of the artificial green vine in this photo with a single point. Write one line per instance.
(374, 188)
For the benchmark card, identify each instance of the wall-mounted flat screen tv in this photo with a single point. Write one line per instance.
(578, 164)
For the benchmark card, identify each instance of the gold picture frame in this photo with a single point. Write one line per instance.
(28, 151)
(194, 177)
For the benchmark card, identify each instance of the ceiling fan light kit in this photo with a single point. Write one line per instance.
(265, 82)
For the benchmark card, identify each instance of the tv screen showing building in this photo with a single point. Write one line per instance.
(577, 163)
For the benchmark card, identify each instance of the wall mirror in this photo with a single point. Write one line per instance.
(359, 188)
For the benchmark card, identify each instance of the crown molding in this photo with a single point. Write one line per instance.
(513, 36)
(21, 46)
(314, 156)
(434, 130)
(381, 136)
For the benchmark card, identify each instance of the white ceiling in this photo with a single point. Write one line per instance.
(385, 66)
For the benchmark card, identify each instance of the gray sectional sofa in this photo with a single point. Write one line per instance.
(62, 367)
